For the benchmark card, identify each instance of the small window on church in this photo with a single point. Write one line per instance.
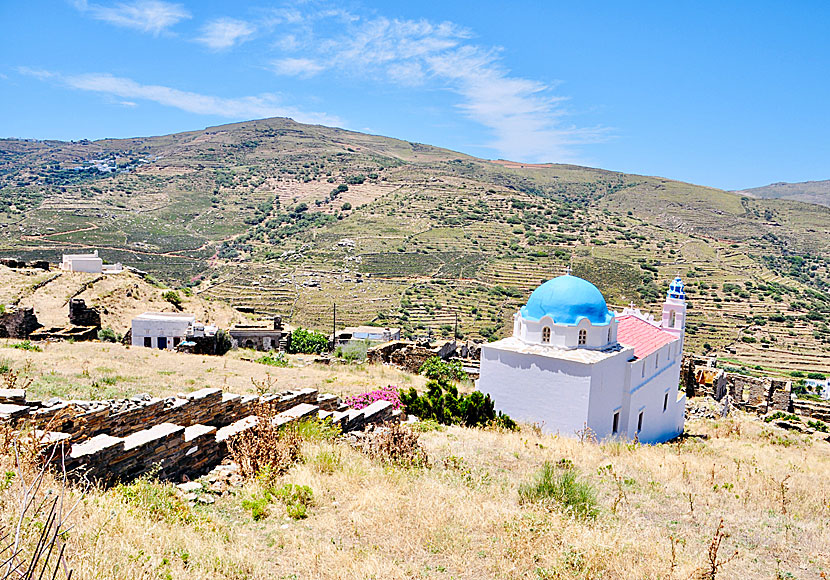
(546, 334)
(657, 360)
(583, 336)
(665, 402)
(616, 425)
(609, 334)
(643, 369)
(640, 422)
(672, 319)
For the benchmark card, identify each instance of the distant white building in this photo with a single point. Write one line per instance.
(370, 333)
(573, 366)
(167, 330)
(90, 263)
(821, 387)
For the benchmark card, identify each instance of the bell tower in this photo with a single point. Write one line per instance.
(674, 309)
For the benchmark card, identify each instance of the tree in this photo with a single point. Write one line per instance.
(307, 342)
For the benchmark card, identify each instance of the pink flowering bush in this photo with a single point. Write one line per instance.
(390, 393)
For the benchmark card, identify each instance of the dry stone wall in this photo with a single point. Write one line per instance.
(118, 440)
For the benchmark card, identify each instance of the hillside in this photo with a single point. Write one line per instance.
(290, 219)
(817, 192)
(657, 510)
(119, 297)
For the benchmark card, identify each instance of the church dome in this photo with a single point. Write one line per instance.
(567, 300)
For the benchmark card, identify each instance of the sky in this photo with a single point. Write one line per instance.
(727, 94)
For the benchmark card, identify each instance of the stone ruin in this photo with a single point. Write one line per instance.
(84, 324)
(176, 437)
(17, 263)
(18, 322)
(759, 395)
(408, 355)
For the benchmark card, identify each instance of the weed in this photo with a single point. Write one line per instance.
(157, 500)
(397, 445)
(26, 345)
(274, 360)
(562, 486)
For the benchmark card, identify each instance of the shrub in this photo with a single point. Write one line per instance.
(390, 393)
(307, 342)
(172, 297)
(266, 446)
(346, 206)
(224, 342)
(561, 485)
(436, 369)
(296, 498)
(443, 404)
(354, 351)
(816, 376)
(398, 445)
(273, 359)
(108, 335)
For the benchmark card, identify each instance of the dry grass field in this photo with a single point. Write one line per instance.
(459, 516)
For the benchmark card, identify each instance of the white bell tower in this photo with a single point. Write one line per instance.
(674, 309)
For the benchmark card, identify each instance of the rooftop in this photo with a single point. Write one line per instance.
(643, 336)
(580, 355)
(166, 316)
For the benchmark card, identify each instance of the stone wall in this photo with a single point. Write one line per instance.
(118, 440)
(82, 315)
(408, 355)
(18, 323)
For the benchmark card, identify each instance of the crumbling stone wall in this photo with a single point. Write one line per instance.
(408, 355)
(18, 323)
(82, 315)
(118, 440)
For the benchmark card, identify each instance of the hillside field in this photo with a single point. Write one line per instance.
(657, 513)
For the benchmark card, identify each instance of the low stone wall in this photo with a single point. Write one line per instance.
(119, 440)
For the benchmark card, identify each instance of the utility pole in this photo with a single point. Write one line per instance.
(333, 325)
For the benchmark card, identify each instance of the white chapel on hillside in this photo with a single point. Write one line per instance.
(571, 364)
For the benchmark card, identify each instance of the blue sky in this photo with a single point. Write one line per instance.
(727, 94)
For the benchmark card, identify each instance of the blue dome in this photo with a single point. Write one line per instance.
(567, 299)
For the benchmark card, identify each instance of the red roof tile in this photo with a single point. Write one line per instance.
(644, 337)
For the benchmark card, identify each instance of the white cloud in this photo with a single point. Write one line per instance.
(296, 67)
(224, 33)
(153, 16)
(527, 121)
(126, 91)
(38, 73)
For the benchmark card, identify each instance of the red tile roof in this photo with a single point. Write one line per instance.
(644, 337)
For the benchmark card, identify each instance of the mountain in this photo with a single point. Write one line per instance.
(290, 219)
(817, 192)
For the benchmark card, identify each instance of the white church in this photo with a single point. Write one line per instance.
(572, 364)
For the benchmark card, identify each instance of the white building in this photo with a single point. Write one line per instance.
(167, 330)
(89, 263)
(820, 387)
(370, 333)
(571, 364)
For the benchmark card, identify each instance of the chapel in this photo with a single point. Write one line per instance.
(573, 366)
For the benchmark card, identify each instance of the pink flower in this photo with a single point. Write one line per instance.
(390, 393)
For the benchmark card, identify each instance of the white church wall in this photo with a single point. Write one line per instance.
(553, 393)
(608, 394)
(648, 396)
(566, 336)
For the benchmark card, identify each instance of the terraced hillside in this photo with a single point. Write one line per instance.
(292, 219)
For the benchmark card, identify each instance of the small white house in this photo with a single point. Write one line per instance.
(370, 333)
(162, 330)
(572, 366)
(89, 263)
(821, 387)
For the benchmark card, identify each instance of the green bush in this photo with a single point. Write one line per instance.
(561, 485)
(26, 345)
(273, 359)
(296, 498)
(354, 351)
(224, 342)
(439, 370)
(172, 297)
(443, 404)
(307, 342)
(816, 376)
(108, 335)
(157, 500)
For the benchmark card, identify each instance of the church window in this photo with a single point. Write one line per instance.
(643, 369)
(640, 422)
(609, 334)
(616, 425)
(665, 402)
(672, 319)
(583, 336)
(546, 334)
(657, 360)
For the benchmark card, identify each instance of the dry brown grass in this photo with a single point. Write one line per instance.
(660, 506)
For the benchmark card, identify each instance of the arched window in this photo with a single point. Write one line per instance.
(672, 319)
(583, 336)
(546, 334)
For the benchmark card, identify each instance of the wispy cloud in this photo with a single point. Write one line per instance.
(127, 91)
(152, 16)
(297, 67)
(223, 33)
(526, 119)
